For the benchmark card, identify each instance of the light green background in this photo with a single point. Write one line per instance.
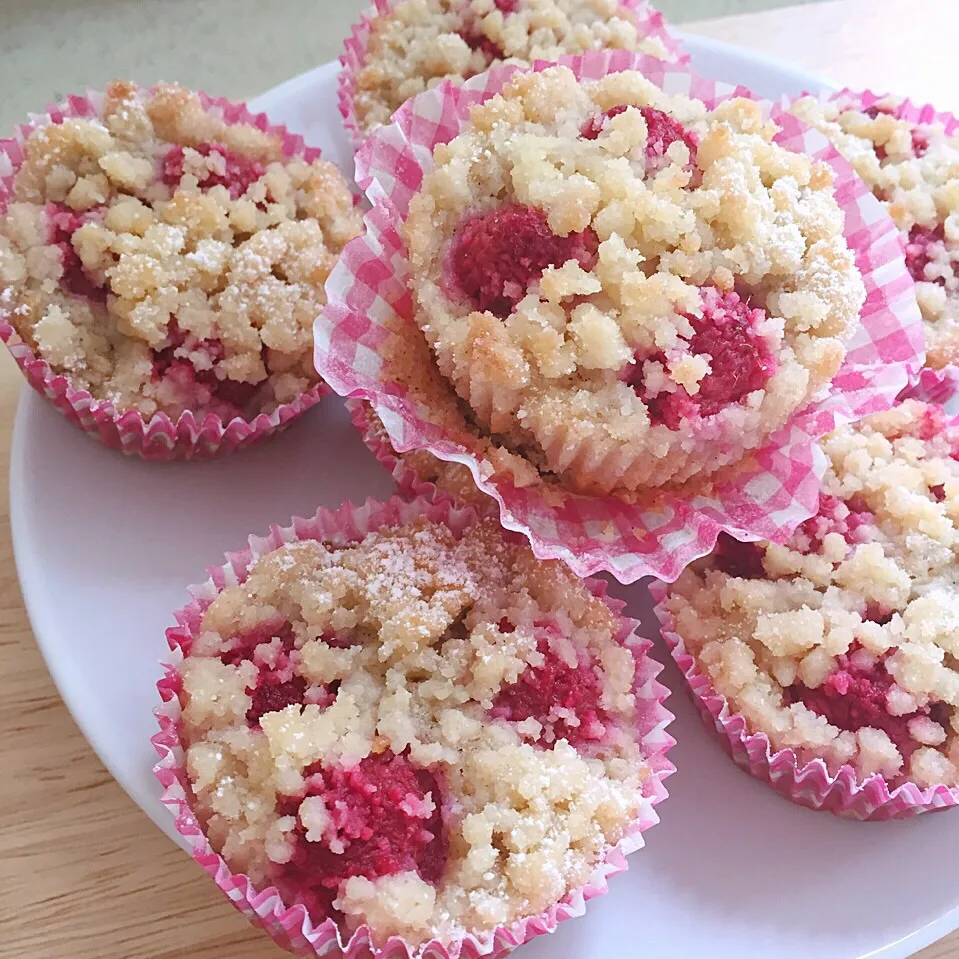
(236, 48)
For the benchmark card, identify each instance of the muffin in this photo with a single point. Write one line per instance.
(414, 728)
(913, 168)
(625, 287)
(165, 257)
(416, 469)
(415, 44)
(840, 644)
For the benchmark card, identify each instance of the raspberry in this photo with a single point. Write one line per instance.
(243, 646)
(476, 40)
(497, 255)
(549, 693)
(920, 143)
(739, 359)
(931, 423)
(270, 697)
(201, 389)
(917, 251)
(63, 223)
(854, 697)
(380, 823)
(742, 560)
(662, 131)
(835, 516)
(240, 174)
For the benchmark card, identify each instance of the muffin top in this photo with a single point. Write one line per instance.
(624, 285)
(166, 260)
(426, 732)
(914, 169)
(420, 43)
(842, 644)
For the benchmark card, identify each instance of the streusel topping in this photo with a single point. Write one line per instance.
(914, 169)
(166, 260)
(842, 644)
(625, 286)
(424, 732)
(420, 43)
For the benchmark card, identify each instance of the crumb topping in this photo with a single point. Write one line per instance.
(627, 288)
(421, 43)
(842, 644)
(167, 260)
(427, 732)
(913, 168)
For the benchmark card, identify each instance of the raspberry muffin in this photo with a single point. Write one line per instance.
(167, 260)
(415, 44)
(913, 168)
(416, 467)
(625, 286)
(424, 731)
(840, 645)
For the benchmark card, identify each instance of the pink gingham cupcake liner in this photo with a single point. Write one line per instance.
(650, 24)
(291, 927)
(410, 484)
(765, 497)
(927, 115)
(159, 437)
(810, 784)
(936, 386)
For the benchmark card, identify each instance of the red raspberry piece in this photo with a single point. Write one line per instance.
(205, 391)
(497, 255)
(931, 423)
(876, 614)
(506, 6)
(378, 812)
(740, 361)
(854, 697)
(920, 143)
(742, 560)
(244, 645)
(836, 516)
(662, 131)
(241, 172)
(476, 40)
(917, 251)
(938, 492)
(270, 697)
(542, 691)
(63, 223)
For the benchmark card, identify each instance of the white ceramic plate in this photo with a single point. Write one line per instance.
(105, 547)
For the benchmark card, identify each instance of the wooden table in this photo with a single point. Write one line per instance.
(83, 873)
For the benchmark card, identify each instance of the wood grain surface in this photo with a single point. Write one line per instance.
(83, 873)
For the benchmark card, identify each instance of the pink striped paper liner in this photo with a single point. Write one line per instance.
(291, 927)
(159, 437)
(773, 490)
(650, 24)
(410, 483)
(809, 784)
